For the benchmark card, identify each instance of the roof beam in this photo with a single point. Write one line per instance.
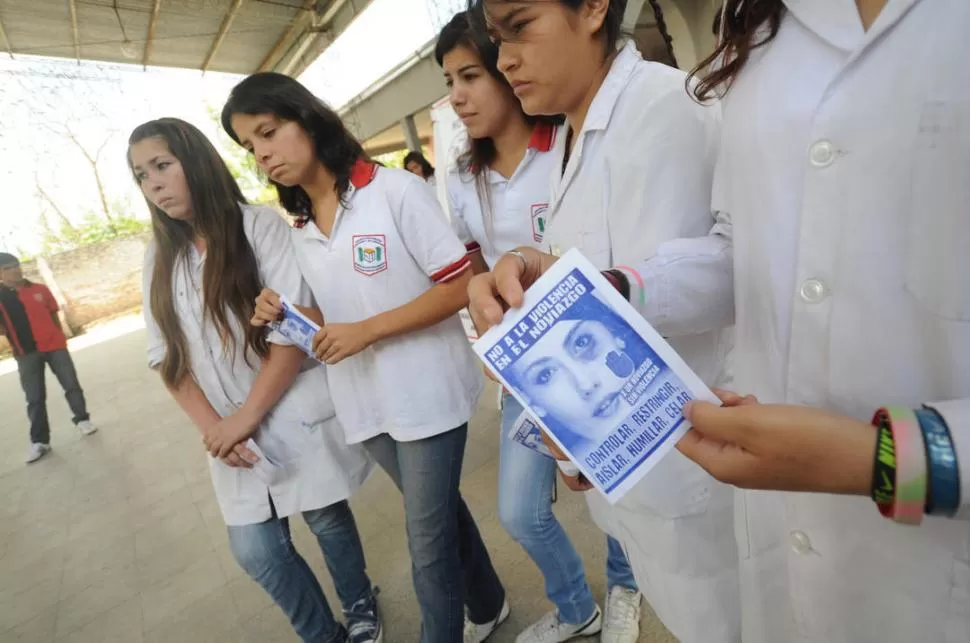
(77, 43)
(6, 41)
(322, 33)
(223, 30)
(150, 39)
(300, 16)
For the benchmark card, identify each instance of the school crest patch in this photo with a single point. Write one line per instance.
(370, 253)
(539, 221)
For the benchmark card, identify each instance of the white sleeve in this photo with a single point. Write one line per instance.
(153, 334)
(278, 267)
(456, 206)
(956, 414)
(682, 252)
(429, 238)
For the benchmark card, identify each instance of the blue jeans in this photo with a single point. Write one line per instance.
(266, 553)
(450, 566)
(525, 483)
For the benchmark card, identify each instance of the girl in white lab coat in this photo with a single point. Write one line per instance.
(632, 179)
(389, 276)
(210, 256)
(850, 201)
(498, 195)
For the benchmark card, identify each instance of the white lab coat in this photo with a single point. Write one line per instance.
(845, 166)
(637, 181)
(301, 433)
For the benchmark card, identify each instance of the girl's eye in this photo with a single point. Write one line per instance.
(140, 177)
(269, 133)
(163, 165)
(449, 83)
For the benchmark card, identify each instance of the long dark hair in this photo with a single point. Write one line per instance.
(414, 156)
(462, 31)
(745, 25)
(230, 278)
(278, 94)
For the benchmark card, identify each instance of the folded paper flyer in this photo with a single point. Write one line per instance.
(598, 379)
(296, 327)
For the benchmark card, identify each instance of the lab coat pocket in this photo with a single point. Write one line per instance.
(938, 243)
(674, 488)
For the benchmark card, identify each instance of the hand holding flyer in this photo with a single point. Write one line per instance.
(602, 383)
(296, 327)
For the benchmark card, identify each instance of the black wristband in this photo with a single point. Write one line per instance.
(884, 465)
(619, 281)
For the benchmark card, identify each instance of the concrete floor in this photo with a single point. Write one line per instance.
(117, 537)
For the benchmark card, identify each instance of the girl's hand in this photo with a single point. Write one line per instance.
(222, 437)
(577, 482)
(268, 308)
(780, 447)
(490, 293)
(336, 342)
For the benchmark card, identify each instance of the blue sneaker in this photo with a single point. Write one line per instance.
(364, 622)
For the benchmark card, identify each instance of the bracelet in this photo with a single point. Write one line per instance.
(883, 490)
(943, 497)
(910, 499)
(619, 281)
(641, 288)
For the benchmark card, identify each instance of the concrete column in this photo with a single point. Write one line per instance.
(411, 133)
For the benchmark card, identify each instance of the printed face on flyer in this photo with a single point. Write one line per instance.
(578, 363)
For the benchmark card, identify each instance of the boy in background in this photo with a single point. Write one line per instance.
(28, 319)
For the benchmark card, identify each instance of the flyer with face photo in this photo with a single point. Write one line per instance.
(599, 380)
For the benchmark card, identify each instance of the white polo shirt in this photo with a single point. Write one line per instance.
(518, 205)
(638, 182)
(301, 432)
(390, 243)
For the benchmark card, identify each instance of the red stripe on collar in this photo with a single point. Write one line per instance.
(543, 137)
(362, 173)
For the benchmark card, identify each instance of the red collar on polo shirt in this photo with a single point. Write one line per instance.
(543, 137)
(361, 175)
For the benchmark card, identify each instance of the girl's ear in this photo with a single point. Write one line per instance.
(593, 16)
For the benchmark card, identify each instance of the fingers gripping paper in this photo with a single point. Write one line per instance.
(599, 380)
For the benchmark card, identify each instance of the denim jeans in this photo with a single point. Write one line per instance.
(31, 368)
(450, 566)
(525, 485)
(266, 553)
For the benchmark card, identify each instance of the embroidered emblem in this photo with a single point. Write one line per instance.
(539, 221)
(370, 253)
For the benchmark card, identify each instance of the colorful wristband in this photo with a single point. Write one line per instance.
(943, 498)
(641, 288)
(884, 468)
(910, 499)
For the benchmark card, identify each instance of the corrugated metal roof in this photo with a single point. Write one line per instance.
(243, 35)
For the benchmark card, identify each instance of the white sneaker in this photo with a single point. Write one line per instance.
(621, 623)
(478, 633)
(37, 451)
(86, 428)
(549, 629)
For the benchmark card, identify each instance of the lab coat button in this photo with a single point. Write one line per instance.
(812, 291)
(800, 544)
(822, 154)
